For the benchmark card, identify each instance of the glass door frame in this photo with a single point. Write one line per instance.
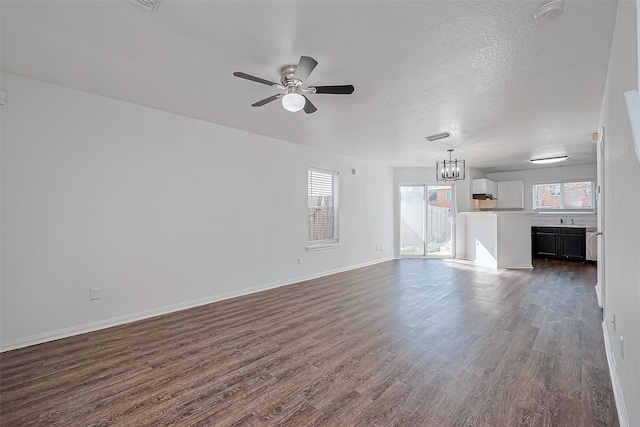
(453, 217)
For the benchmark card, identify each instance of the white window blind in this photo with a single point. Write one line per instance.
(323, 206)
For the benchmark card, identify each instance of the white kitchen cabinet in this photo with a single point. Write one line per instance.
(511, 195)
(483, 186)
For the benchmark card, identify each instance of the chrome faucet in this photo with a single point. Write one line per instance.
(571, 221)
(561, 221)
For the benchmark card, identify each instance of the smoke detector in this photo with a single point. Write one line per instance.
(549, 11)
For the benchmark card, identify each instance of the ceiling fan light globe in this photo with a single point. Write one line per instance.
(293, 102)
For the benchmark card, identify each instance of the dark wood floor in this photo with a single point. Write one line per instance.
(410, 343)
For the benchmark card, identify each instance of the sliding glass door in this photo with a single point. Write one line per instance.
(412, 220)
(440, 220)
(427, 220)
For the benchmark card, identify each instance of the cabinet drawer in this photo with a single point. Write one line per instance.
(553, 230)
(567, 230)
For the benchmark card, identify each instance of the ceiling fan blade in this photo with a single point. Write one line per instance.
(266, 100)
(338, 90)
(309, 107)
(255, 79)
(305, 67)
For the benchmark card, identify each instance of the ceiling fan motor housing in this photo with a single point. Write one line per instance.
(287, 77)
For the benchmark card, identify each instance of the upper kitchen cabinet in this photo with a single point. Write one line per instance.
(511, 195)
(483, 187)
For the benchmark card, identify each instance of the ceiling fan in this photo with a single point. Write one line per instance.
(292, 79)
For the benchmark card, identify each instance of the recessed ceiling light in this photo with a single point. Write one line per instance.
(549, 11)
(549, 160)
(438, 136)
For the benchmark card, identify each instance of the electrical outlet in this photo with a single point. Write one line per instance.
(94, 294)
(299, 260)
(621, 346)
(382, 247)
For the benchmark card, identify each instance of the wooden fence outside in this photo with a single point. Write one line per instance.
(321, 218)
(438, 225)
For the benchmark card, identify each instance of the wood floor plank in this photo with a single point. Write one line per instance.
(406, 342)
(597, 397)
(384, 411)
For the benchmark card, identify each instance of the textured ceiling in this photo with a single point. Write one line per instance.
(506, 88)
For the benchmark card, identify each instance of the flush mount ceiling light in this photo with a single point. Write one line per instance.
(450, 170)
(549, 11)
(438, 136)
(549, 160)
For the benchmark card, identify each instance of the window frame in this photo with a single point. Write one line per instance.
(335, 194)
(562, 209)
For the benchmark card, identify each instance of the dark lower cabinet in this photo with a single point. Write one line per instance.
(558, 242)
(572, 245)
(547, 242)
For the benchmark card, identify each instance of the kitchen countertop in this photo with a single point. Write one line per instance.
(588, 227)
(561, 225)
(494, 211)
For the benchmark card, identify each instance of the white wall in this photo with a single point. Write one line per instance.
(622, 209)
(157, 210)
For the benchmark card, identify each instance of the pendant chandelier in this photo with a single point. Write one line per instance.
(450, 170)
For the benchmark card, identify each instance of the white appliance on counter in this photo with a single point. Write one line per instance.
(591, 244)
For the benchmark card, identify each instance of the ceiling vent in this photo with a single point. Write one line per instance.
(150, 5)
(438, 136)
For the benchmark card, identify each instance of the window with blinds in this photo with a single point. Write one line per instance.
(323, 206)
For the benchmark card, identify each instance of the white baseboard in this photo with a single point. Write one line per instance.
(128, 318)
(615, 380)
(517, 267)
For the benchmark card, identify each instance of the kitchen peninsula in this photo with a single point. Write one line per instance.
(495, 239)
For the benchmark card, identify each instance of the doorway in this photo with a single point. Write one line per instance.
(427, 215)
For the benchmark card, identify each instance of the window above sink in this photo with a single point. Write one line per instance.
(561, 197)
